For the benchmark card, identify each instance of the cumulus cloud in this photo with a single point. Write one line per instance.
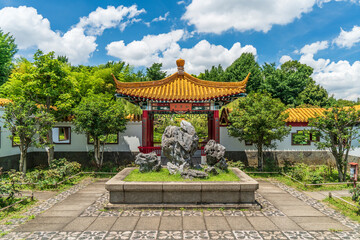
(164, 48)
(285, 59)
(32, 30)
(314, 47)
(102, 19)
(348, 39)
(260, 15)
(340, 78)
(161, 18)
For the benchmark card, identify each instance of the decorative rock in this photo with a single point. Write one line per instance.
(148, 162)
(211, 170)
(215, 155)
(190, 174)
(180, 143)
(173, 169)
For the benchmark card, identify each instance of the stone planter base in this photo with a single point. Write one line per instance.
(240, 194)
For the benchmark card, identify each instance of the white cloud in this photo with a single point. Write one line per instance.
(260, 15)
(180, 2)
(160, 18)
(348, 39)
(31, 30)
(164, 48)
(340, 78)
(314, 47)
(285, 59)
(102, 19)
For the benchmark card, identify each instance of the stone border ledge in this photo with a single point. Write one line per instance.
(236, 193)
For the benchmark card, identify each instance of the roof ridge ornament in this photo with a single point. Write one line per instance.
(180, 64)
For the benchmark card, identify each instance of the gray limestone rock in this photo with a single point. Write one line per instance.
(215, 155)
(190, 174)
(180, 143)
(174, 169)
(148, 162)
(211, 170)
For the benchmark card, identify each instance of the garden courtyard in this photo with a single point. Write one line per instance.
(78, 213)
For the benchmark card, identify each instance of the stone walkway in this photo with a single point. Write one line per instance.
(286, 214)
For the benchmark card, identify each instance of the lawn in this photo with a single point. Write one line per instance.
(346, 209)
(164, 176)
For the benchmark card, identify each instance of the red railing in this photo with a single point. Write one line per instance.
(203, 151)
(150, 149)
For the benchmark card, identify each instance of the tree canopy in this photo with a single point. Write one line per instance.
(8, 49)
(259, 119)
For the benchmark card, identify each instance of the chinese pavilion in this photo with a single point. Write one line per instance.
(180, 93)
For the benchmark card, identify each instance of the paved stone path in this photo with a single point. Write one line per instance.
(321, 195)
(287, 214)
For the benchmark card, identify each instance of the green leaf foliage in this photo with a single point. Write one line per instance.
(287, 82)
(314, 95)
(8, 49)
(259, 119)
(154, 72)
(215, 74)
(338, 128)
(99, 115)
(240, 68)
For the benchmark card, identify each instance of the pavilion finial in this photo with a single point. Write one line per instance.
(180, 64)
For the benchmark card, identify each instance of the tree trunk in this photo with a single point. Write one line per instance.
(97, 151)
(22, 166)
(260, 158)
(50, 150)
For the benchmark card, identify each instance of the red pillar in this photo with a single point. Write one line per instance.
(216, 133)
(147, 129)
(210, 126)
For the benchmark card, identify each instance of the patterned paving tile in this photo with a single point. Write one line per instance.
(196, 234)
(66, 235)
(214, 213)
(247, 235)
(172, 213)
(123, 235)
(324, 235)
(298, 235)
(348, 235)
(149, 213)
(131, 213)
(221, 235)
(272, 235)
(170, 235)
(92, 235)
(144, 235)
(16, 235)
(192, 213)
(41, 235)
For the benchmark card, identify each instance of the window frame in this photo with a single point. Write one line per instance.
(308, 142)
(117, 140)
(63, 141)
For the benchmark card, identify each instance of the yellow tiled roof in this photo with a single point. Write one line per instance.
(180, 87)
(3, 102)
(303, 114)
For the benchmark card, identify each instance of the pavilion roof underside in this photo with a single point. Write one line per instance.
(178, 87)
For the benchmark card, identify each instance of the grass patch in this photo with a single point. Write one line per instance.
(346, 209)
(164, 176)
(288, 181)
(14, 211)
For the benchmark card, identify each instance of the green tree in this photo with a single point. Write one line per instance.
(259, 119)
(338, 127)
(314, 95)
(154, 72)
(8, 49)
(99, 116)
(240, 68)
(27, 122)
(215, 74)
(287, 82)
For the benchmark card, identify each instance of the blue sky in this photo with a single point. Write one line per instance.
(324, 34)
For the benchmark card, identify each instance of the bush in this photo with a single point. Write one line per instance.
(236, 164)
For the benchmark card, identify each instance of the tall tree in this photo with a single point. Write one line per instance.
(240, 68)
(154, 72)
(259, 119)
(338, 127)
(314, 95)
(27, 122)
(287, 82)
(8, 49)
(215, 74)
(98, 116)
